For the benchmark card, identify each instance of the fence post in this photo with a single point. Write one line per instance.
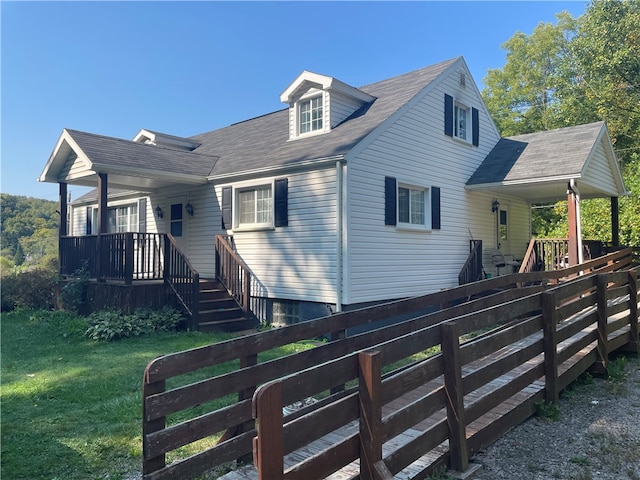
(150, 465)
(550, 341)
(633, 311)
(370, 385)
(458, 447)
(600, 366)
(268, 446)
(247, 393)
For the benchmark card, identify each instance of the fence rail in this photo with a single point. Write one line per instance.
(163, 435)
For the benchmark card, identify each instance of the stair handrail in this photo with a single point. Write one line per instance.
(530, 260)
(233, 273)
(183, 279)
(472, 270)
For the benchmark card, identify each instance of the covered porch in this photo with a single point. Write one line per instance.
(569, 164)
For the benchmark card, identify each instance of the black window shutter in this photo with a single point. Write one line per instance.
(227, 218)
(281, 201)
(390, 199)
(88, 221)
(448, 115)
(435, 208)
(142, 215)
(475, 126)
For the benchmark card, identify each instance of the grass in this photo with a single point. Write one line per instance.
(71, 407)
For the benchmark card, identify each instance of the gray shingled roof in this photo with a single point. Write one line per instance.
(549, 154)
(116, 152)
(263, 142)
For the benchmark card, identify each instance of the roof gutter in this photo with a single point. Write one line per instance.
(306, 165)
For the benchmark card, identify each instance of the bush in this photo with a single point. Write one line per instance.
(108, 325)
(73, 295)
(32, 289)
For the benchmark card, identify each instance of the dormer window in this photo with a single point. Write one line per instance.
(318, 104)
(310, 115)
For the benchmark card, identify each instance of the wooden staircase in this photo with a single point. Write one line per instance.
(218, 310)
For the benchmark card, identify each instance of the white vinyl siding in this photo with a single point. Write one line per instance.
(598, 172)
(296, 262)
(341, 107)
(386, 263)
(75, 169)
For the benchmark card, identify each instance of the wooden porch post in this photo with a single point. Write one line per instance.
(615, 223)
(573, 226)
(103, 254)
(62, 230)
(62, 227)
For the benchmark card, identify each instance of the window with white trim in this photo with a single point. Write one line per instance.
(411, 205)
(462, 120)
(123, 218)
(310, 115)
(254, 206)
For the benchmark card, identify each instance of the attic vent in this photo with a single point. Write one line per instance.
(463, 80)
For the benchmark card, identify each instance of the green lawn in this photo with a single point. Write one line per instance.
(71, 407)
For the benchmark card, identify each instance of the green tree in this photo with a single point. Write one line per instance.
(575, 72)
(28, 229)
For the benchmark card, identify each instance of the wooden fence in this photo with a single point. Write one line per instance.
(167, 425)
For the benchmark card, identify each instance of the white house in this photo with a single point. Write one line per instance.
(347, 196)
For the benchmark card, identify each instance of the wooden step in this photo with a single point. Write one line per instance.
(230, 325)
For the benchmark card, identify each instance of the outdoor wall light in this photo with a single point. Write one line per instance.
(189, 208)
(159, 212)
(495, 205)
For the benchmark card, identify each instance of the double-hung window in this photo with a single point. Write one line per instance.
(310, 115)
(123, 219)
(255, 206)
(411, 205)
(461, 121)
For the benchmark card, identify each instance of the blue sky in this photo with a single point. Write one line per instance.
(189, 67)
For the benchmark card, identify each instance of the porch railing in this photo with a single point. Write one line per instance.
(472, 269)
(233, 272)
(114, 256)
(183, 279)
(547, 254)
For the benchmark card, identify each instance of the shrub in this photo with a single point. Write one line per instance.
(32, 289)
(108, 325)
(74, 293)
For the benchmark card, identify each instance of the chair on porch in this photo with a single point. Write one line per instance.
(500, 260)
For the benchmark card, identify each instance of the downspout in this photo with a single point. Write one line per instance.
(574, 188)
(339, 230)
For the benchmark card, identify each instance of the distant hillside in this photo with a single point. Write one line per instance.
(29, 231)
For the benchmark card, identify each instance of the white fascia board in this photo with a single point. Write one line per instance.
(275, 170)
(146, 173)
(165, 138)
(526, 181)
(47, 174)
(325, 83)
